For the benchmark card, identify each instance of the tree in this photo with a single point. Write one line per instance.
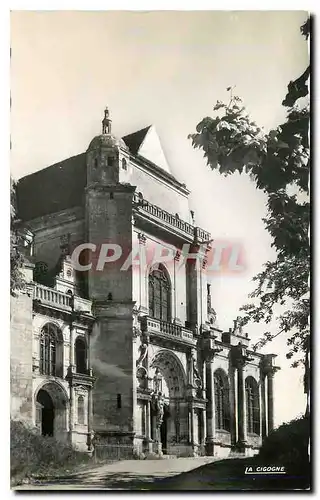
(278, 163)
(16, 256)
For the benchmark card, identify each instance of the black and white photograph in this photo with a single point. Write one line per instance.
(160, 250)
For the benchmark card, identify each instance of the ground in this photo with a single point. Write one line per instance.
(198, 474)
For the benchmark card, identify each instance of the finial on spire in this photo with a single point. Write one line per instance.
(106, 122)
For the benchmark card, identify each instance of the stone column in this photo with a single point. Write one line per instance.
(71, 389)
(191, 426)
(71, 357)
(175, 313)
(241, 408)
(233, 405)
(142, 271)
(270, 401)
(204, 429)
(210, 414)
(90, 404)
(263, 406)
(148, 426)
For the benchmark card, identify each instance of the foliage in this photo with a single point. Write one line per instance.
(278, 163)
(33, 455)
(288, 446)
(16, 257)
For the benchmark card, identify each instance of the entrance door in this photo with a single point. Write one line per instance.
(47, 413)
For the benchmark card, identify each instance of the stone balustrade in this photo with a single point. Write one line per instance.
(196, 233)
(171, 330)
(49, 296)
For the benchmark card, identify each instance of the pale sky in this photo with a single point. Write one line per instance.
(166, 69)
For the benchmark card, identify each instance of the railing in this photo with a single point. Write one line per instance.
(201, 234)
(173, 220)
(50, 296)
(81, 304)
(154, 325)
(61, 300)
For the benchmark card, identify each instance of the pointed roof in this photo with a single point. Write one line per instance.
(135, 140)
(146, 143)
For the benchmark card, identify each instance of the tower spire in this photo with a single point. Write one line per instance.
(106, 122)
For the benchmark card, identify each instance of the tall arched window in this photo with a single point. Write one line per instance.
(80, 410)
(159, 294)
(252, 406)
(222, 405)
(81, 355)
(51, 350)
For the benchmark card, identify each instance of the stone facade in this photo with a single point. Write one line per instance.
(130, 355)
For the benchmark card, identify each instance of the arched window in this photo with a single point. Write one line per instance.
(222, 405)
(159, 294)
(253, 406)
(124, 164)
(81, 355)
(80, 410)
(51, 350)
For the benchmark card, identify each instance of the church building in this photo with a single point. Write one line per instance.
(112, 344)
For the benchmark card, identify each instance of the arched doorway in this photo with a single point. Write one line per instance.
(168, 386)
(51, 411)
(46, 409)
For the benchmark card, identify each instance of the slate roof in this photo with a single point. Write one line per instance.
(52, 189)
(62, 185)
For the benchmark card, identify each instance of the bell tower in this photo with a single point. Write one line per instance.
(109, 229)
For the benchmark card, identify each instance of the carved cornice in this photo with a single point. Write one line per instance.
(268, 366)
(80, 379)
(239, 356)
(74, 318)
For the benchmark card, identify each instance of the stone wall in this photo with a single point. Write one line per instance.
(21, 357)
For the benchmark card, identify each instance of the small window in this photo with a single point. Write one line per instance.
(119, 402)
(111, 196)
(124, 164)
(80, 410)
(81, 355)
(96, 163)
(110, 161)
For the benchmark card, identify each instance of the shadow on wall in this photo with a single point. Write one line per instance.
(97, 353)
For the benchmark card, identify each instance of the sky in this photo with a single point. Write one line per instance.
(167, 69)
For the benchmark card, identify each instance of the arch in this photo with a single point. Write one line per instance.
(51, 404)
(169, 368)
(222, 402)
(57, 392)
(51, 350)
(80, 347)
(252, 405)
(160, 291)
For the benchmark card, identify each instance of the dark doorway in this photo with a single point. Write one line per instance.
(47, 413)
(164, 430)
